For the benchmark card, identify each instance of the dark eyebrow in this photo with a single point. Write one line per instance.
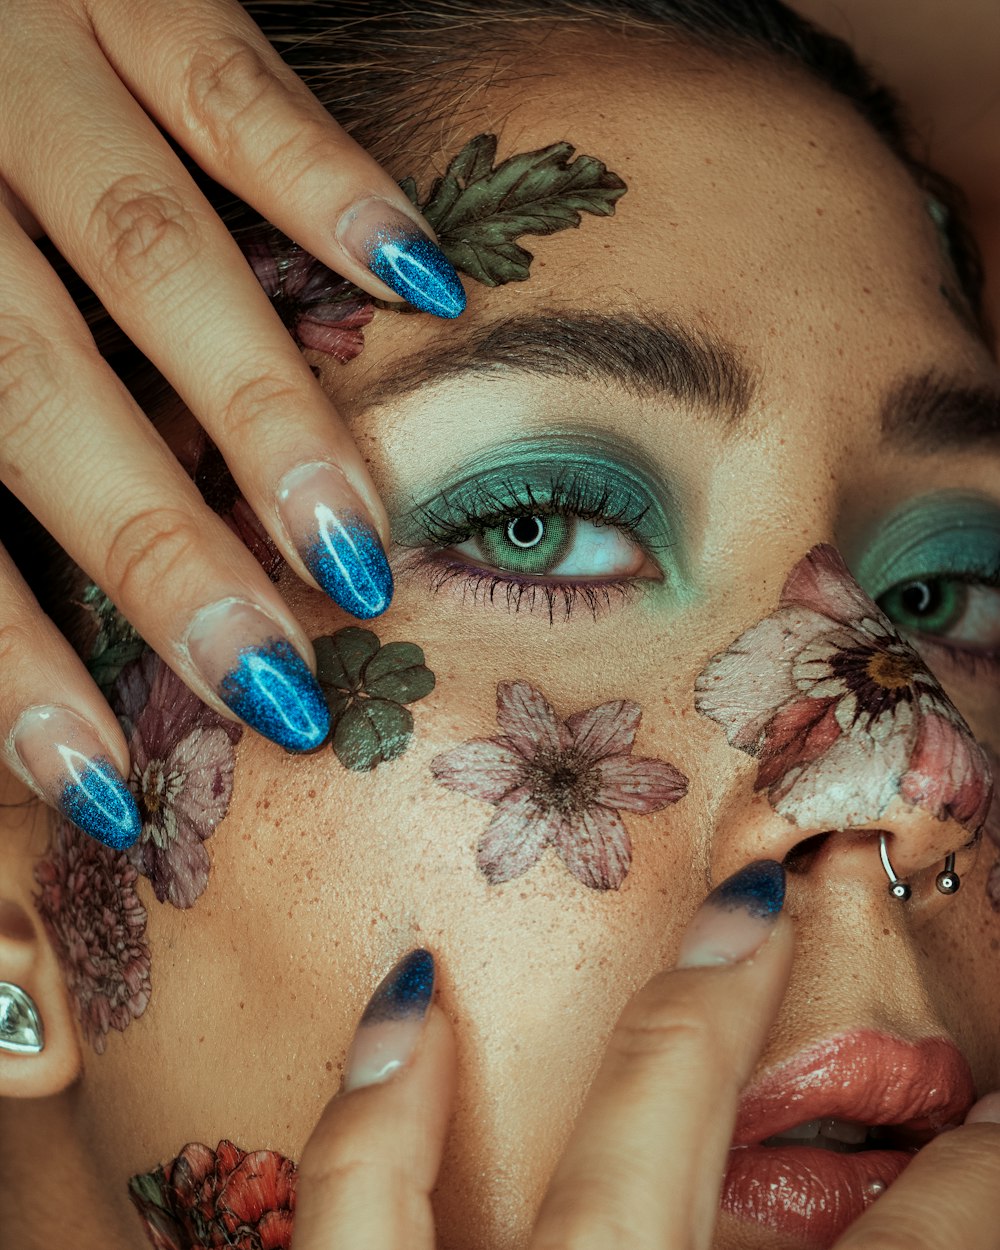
(646, 357)
(929, 412)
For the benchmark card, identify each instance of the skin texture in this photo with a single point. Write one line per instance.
(764, 212)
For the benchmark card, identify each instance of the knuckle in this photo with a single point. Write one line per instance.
(651, 1033)
(225, 83)
(16, 643)
(309, 150)
(255, 402)
(28, 381)
(140, 233)
(152, 545)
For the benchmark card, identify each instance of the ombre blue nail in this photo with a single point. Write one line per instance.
(416, 269)
(272, 689)
(347, 559)
(406, 991)
(97, 801)
(759, 887)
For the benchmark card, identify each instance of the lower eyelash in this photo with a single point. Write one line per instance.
(515, 593)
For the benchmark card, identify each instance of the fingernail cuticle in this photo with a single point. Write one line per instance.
(68, 763)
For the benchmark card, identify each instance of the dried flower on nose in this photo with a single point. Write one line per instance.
(559, 783)
(840, 712)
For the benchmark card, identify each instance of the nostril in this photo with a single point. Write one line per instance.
(802, 855)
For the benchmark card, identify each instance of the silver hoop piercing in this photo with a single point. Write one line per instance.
(20, 1024)
(949, 880)
(897, 888)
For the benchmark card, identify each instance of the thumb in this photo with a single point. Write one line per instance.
(368, 1168)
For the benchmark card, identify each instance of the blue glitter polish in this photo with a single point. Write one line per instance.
(346, 558)
(405, 992)
(759, 888)
(97, 801)
(272, 689)
(416, 269)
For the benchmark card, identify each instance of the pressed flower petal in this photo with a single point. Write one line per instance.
(526, 718)
(595, 846)
(605, 730)
(372, 732)
(851, 783)
(518, 833)
(638, 785)
(822, 581)
(800, 733)
(485, 768)
(397, 671)
(948, 774)
(341, 657)
(993, 886)
(741, 688)
(992, 826)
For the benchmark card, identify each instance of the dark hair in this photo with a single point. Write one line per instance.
(391, 72)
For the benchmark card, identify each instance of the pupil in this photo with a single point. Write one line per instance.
(526, 531)
(920, 598)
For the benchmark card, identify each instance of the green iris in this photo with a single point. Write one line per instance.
(527, 544)
(929, 605)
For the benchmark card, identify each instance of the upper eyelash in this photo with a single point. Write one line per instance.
(569, 495)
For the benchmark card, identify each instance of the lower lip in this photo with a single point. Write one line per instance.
(805, 1191)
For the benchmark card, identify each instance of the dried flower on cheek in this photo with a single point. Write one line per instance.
(840, 712)
(559, 783)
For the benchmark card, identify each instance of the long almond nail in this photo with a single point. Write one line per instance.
(68, 763)
(244, 656)
(392, 1023)
(736, 918)
(986, 1110)
(391, 245)
(330, 530)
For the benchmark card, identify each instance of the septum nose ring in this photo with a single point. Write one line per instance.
(947, 881)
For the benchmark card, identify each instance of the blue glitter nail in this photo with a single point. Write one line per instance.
(406, 991)
(97, 801)
(272, 689)
(347, 560)
(416, 269)
(759, 887)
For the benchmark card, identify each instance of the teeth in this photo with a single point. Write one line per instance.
(802, 1132)
(844, 1130)
(818, 1132)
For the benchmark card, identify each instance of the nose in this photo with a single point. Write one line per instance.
(849, 728)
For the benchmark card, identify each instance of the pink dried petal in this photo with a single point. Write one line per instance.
(605, 730)
(595, 847)
(638, 785)
(852, 783)
(485, 768)
(340, 342)
(948, 773)
(822, 581)
(518, 833)
(527, 720)
(799, 734)
(264, 263)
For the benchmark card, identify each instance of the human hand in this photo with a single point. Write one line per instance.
(645, 1163)
(81, 84)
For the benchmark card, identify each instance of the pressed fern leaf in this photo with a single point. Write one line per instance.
(479, 210)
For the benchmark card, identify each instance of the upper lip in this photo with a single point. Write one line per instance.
(872, 1078)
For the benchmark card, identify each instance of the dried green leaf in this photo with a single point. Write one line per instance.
(478, 211)
(116, 643)
(341, 657)
(371, 732)
(398, 672)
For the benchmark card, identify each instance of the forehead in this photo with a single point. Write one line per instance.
(760, 206)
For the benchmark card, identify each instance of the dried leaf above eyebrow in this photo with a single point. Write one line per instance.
(478, 209)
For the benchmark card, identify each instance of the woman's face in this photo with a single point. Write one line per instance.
(760, 214)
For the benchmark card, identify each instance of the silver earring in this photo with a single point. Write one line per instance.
(947, 881)
(20, 1024)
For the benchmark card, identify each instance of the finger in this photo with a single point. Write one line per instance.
(80, 456)
(368, 1169)
(209, 76)
(132, 223)
(58, 734)
(648, 1151)
(948, 1196)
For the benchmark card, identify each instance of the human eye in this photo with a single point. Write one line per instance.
(543, 532)
(935, 570)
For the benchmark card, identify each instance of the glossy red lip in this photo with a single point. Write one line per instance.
(919, 1088)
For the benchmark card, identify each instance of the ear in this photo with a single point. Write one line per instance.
(28, 960)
